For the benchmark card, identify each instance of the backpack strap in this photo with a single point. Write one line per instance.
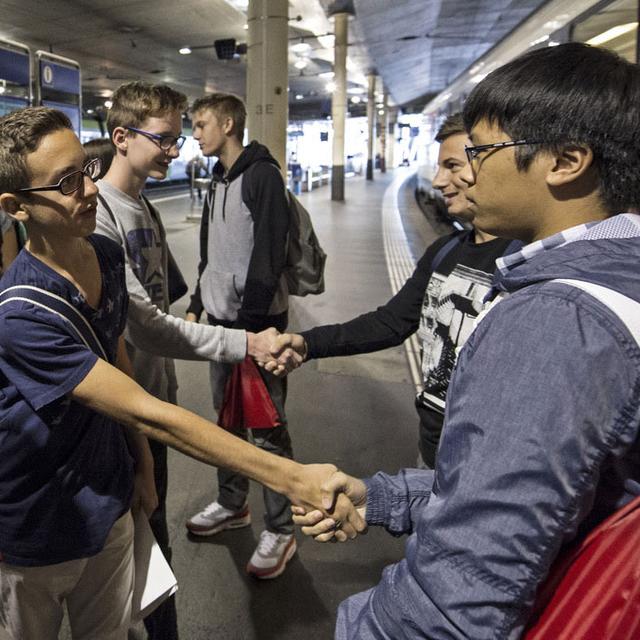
(59, 307)
(627, 309)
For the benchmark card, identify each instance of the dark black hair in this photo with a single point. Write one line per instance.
(570, 94)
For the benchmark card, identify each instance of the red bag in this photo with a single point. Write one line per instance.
(247, 402)
(593, 590)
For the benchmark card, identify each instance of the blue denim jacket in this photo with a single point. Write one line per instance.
(540, 443)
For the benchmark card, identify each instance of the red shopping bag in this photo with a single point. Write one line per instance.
(593, 589)
(247, 402)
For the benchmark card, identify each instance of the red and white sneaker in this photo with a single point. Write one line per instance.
(273, 552)
(215, 518)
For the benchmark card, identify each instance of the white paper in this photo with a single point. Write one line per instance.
(154, 581)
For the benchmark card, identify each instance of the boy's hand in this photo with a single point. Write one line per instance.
(288, 350)
(144, 491)
(318, 487)
(191, 317)
(351, 496)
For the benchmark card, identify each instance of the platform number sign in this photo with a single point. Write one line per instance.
(47, 74)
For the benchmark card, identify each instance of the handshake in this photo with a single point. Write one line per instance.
(278, 353)
(334, 503)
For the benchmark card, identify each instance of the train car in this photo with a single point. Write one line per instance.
(612, 24)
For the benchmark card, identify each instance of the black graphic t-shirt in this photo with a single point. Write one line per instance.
(440, 305)
(451, 303)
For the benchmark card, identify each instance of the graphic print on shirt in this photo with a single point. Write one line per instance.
(449, 309)
(145, 256)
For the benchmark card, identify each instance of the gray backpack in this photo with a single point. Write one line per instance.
(305, 258)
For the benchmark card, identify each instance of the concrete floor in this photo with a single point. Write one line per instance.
(356, 412)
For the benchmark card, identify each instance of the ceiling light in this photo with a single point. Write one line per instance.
(356, 90)
(3, 88)
(300, 64)
(553, 43)
(246, 27)
(539, 40)
(301, 47)
(356, 99)
(89, 111)
(381, 112)
(185, 51)
(611, 34)
(299, 96)
(330, 87)
(108, 104)
(326, 74)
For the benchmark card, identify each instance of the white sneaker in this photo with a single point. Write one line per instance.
(273, 552)
(214, 518)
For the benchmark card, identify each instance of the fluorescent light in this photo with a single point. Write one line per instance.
(299, 96)
(185, 51)
(108, 104)
(539, 40)
(356, 99)
(381, 112)
(611, 34)
(300, 64)
(330, 87)
(301, 47)
(356, 90)
(326, 74)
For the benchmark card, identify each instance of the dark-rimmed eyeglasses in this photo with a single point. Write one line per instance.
(474, 152)
(166, 143)
(72, 181)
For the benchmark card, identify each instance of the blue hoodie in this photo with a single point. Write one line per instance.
(540, 443)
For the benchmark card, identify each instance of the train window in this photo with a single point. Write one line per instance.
(614, 27)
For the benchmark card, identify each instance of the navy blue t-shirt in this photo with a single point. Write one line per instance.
(66, 474)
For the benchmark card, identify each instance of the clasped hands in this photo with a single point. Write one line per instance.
(278, 353)
(343, 499)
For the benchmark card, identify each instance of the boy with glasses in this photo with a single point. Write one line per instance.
(145, 126)
(69, 419)
(541, 439)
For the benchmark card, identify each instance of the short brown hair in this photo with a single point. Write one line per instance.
(134, 102)
(20, 134)
(226, 105)
(100, 148)
(453, 125)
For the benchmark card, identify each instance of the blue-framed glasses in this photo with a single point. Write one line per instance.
(166, 143)
(72, 181)
(474, 152)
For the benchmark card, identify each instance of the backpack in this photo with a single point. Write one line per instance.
(304, 268)
(304, 271)
(592, 591)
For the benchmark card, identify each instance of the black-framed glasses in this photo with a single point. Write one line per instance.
(474, 152)
(72, 181)
(164, 142)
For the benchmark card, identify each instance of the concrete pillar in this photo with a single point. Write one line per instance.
(339, 103)
(267, 75)
(384, 119)
(371, 121)
(391, 136)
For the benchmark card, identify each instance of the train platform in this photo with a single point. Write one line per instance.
(356, 412)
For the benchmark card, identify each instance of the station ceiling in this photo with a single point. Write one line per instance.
(417, 47)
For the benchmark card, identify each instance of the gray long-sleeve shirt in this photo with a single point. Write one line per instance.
(154, 336)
